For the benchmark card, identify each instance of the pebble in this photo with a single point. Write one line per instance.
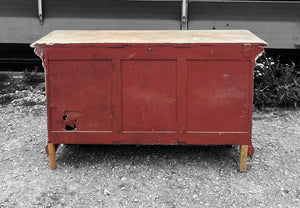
(106, 192)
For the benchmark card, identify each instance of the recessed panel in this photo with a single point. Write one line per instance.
(218, 96)
(80, 94)
(148, 95)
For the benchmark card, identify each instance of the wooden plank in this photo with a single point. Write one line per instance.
(181, 95)
(102, 51)
(148, 137)
(116, 96)
(243, 157)
(147, 36)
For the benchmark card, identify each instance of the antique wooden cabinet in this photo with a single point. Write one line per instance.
(150, 87)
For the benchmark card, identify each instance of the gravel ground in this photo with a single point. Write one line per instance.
(147, 176)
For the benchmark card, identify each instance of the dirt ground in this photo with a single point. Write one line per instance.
(147, 176)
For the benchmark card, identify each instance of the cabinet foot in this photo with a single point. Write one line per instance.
(52, 150)
(250, 150)
(243, 157)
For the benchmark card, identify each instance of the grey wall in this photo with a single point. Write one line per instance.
(19, 19)
(278, 24)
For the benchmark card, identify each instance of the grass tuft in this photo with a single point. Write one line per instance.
(276, 84)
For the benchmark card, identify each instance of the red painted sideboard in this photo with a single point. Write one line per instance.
(150, 87)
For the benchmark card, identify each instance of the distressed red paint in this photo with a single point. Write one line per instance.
(150, 93)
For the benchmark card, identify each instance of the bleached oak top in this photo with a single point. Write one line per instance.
(151, 36)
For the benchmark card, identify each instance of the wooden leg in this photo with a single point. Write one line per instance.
(243, 157)
(51, 149)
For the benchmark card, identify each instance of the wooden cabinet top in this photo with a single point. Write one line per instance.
(151, 36)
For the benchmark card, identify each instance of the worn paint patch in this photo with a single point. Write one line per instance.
(71, 115)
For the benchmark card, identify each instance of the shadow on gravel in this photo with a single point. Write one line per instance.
(159, 155)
